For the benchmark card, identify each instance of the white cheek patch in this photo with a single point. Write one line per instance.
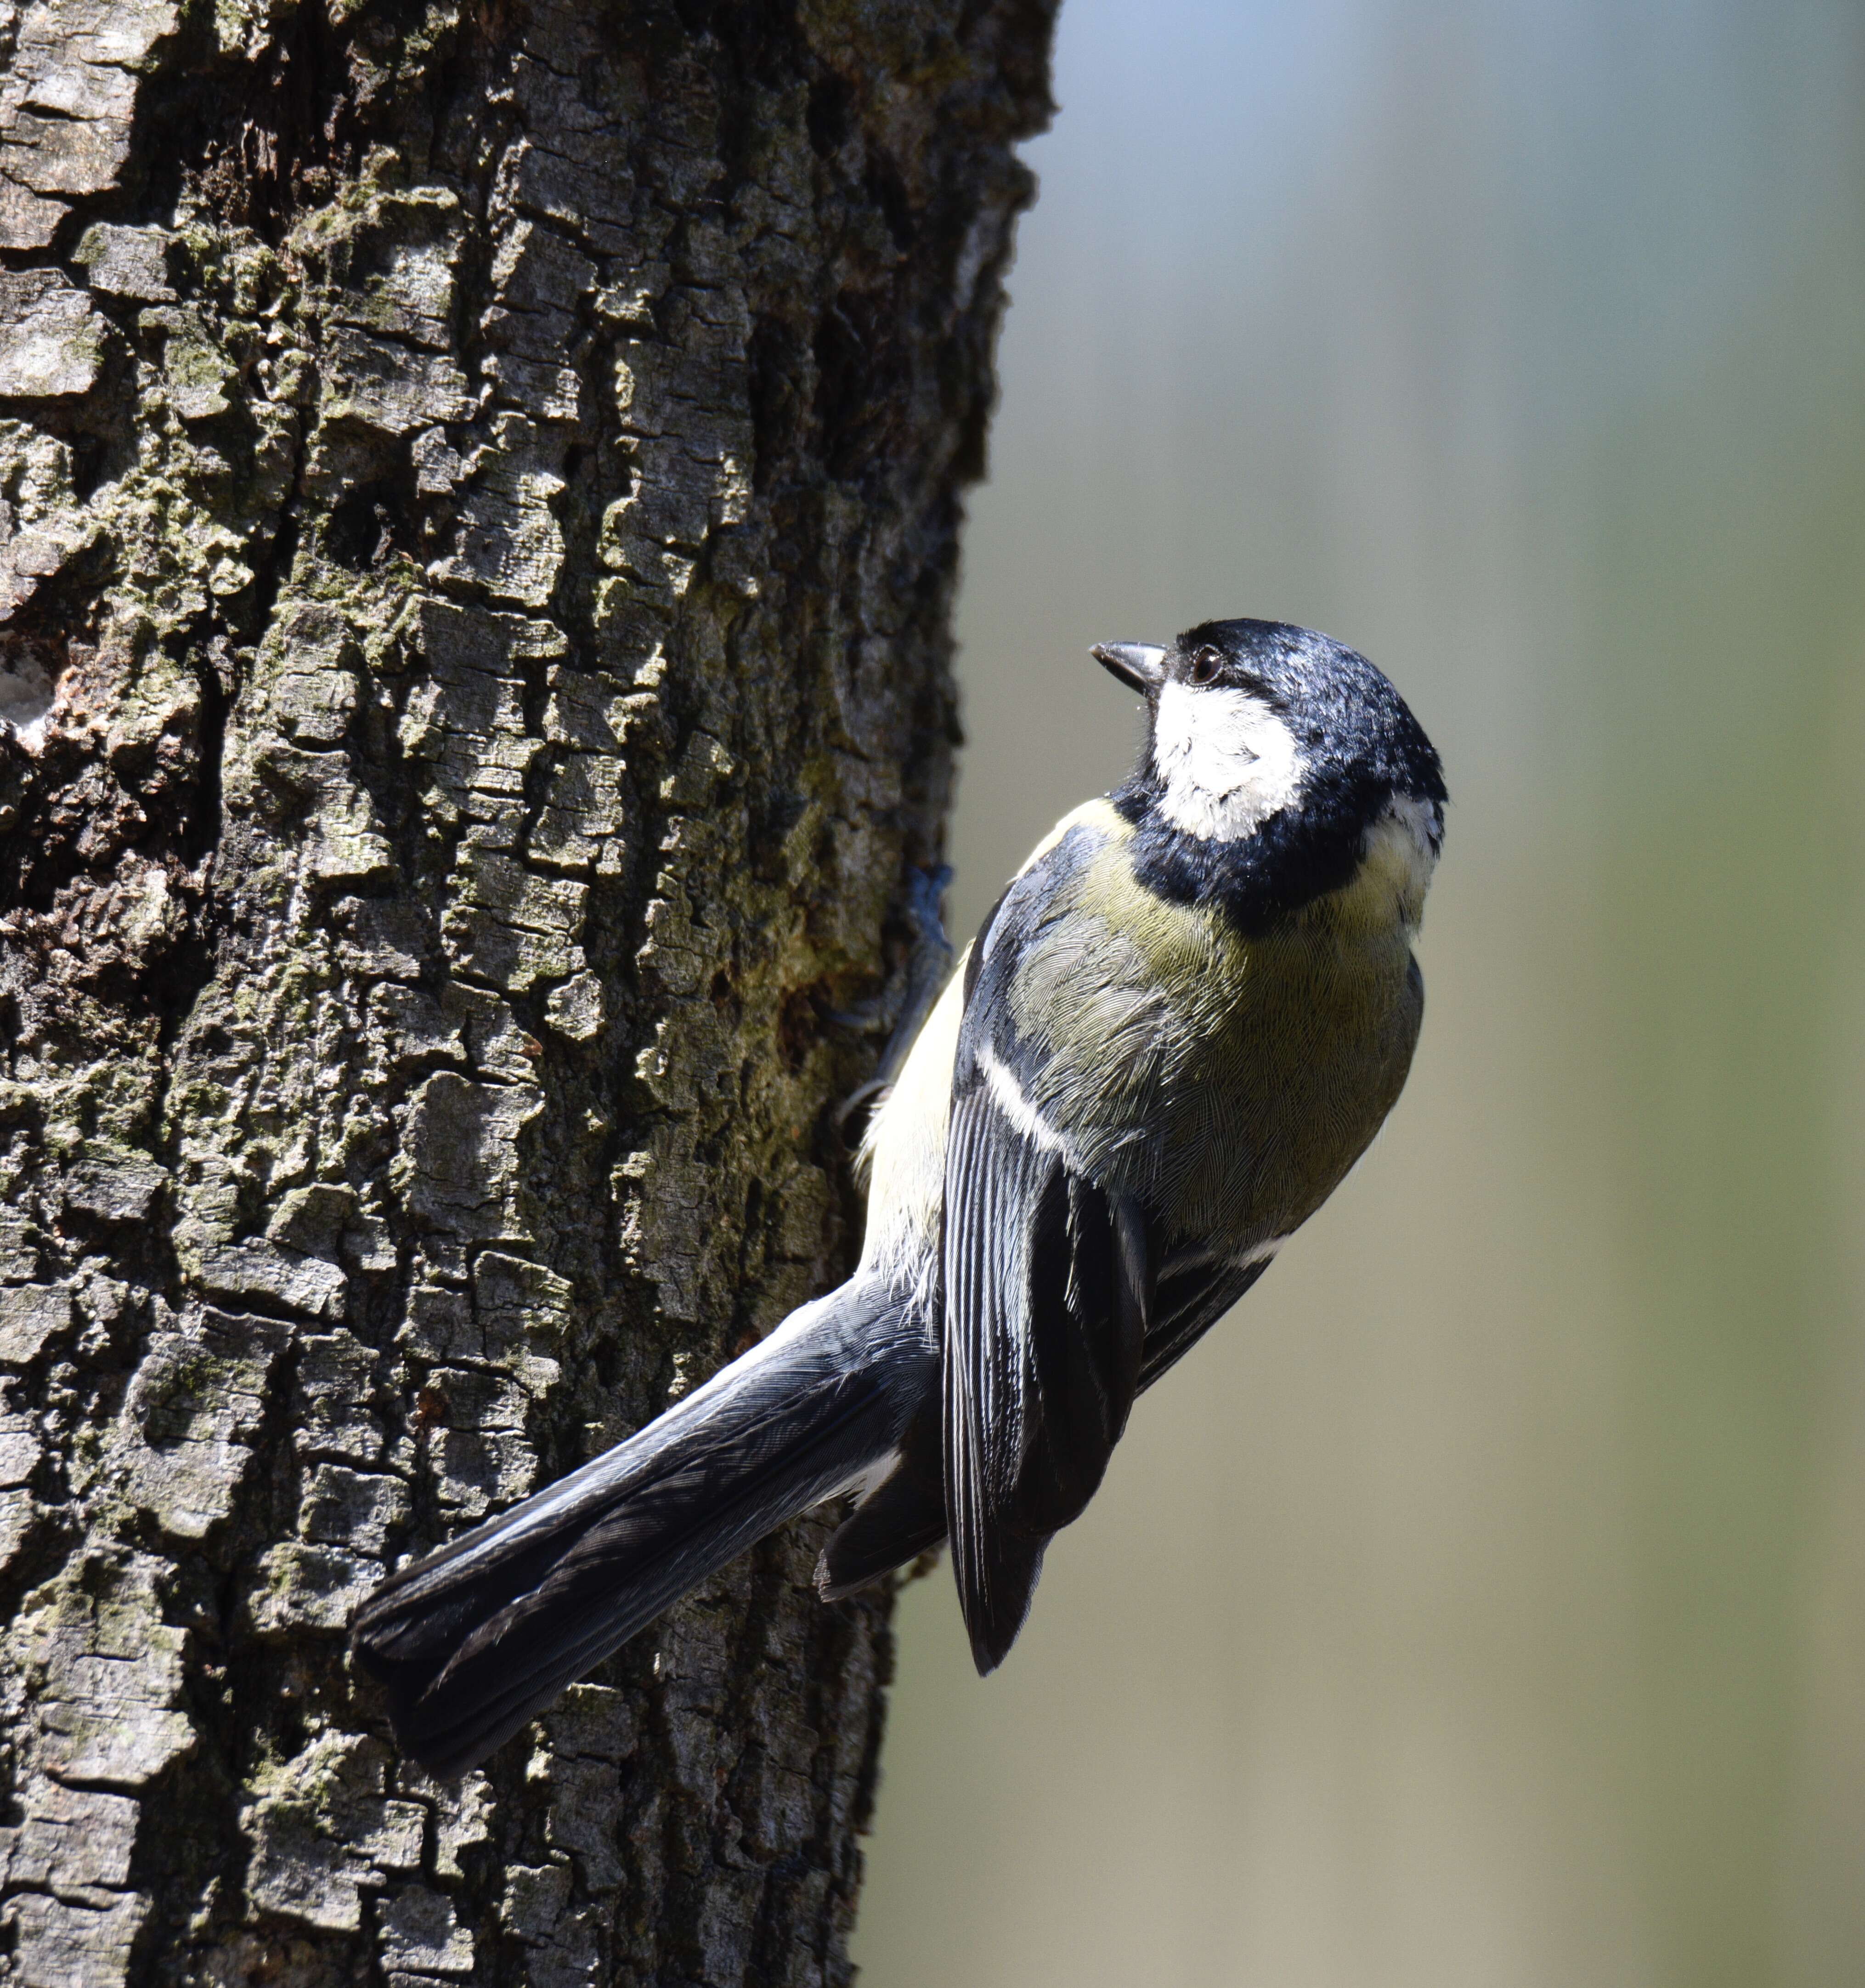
(1225, 761)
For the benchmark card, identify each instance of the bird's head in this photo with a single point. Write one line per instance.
(1266, 735)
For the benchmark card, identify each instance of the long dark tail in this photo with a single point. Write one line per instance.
(474, 1639)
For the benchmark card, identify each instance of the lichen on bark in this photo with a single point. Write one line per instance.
(478, 497)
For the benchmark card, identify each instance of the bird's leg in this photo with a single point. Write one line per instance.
(907, 999)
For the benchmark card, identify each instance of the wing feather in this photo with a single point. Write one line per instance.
(1046, 1302)
(983, 1372)
(1058, 1306)
(1187, 1306)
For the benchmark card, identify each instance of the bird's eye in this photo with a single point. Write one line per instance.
(1206, 663)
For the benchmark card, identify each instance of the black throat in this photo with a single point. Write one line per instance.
(1259, 880)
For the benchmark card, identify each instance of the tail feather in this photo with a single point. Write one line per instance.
(475, 1640)
(901, 1519)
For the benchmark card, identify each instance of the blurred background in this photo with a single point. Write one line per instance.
(1484, 1602)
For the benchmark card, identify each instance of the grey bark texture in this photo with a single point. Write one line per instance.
(478, 491)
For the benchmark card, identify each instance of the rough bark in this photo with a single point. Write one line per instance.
(477, 501)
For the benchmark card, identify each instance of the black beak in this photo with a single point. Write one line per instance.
(1138, 664)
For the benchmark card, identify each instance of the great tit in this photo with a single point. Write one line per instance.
(1181, 1025)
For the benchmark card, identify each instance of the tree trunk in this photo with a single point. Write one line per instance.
(480, 498)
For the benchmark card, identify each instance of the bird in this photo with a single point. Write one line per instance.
(1179, 1027)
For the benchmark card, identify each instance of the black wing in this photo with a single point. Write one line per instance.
(1045, 1283)
(1058, 1303)
(1046, 1292)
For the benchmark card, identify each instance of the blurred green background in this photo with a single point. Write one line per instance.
(1484, 1602)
